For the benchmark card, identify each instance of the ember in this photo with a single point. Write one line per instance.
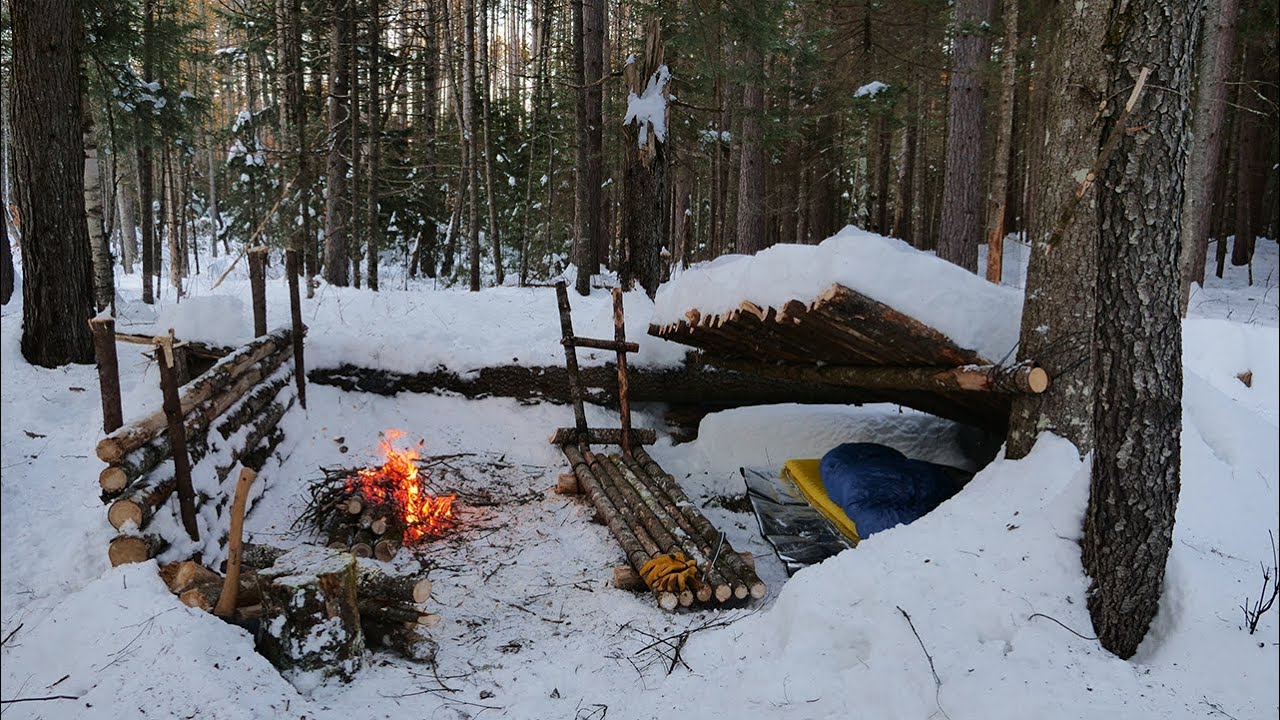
(396, 483)
(373, 511)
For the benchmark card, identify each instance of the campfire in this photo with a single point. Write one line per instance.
(374, 511)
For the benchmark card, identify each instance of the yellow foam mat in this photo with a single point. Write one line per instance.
(806, 476)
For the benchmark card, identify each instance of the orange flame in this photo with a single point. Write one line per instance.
(396, 483)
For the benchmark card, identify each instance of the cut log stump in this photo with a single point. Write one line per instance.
(310, 617)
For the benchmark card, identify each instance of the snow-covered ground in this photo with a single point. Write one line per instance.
(988, 588)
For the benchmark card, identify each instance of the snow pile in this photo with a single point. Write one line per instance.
(649, 109)
(972, 312)
(871, 89)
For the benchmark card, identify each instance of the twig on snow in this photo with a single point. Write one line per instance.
(937, 681)
(39, 699)
(12, 632)
(1032, 616)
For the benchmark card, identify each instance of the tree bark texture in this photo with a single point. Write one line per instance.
(6, 250)
(48, 150)
(1057, 315)
(372, 224)
(486, 113)
(1133, 492)
(1251, 153)
(750, 229)
(337, 198)
(100, 247)
(644, 181)
(469, 139)
(1208, 127)
(996, 206)
(966, 128)
(586, 172)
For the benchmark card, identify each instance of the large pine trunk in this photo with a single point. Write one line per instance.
(127, 204)
(966, 129)
(491, 228)
(997, 195)
(48, 152)
(586, 173)
(1057, 316)
(644, 181)
(751, 173)
(1206, 146)
(469, 140)
(337, 198)
(1133, 493)
(6, 251)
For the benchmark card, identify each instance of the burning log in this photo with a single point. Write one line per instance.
(310, 615)
(213, 384)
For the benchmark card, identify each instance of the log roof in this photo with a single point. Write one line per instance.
(847, 329)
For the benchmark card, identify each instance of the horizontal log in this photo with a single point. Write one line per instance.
(114, 479)
(625, 577)
(601, 344)
(133, 549)
(603, 436)
(686, 385)
(194, 347)
(567, 484)
(114, 447)
(969, 378)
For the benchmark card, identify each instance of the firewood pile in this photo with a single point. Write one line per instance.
(373, 511)
(290, 596)
(650, 516)
(230, 416)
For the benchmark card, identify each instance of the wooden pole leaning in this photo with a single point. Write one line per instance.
(571, 362)
(624, 404)
(104, 348)
(177, 434)
(258, 288)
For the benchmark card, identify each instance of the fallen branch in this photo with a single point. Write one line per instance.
(37, 699)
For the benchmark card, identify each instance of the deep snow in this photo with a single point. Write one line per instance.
(532, 629)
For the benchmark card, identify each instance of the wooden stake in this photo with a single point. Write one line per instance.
(624, 403)
(571, 361)
(104, 347)
(227, 601)
(177, 434)
(299, 330)
(258, 288)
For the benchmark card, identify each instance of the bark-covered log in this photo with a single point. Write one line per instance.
(177, 435)
(373, 580)
(603, 436)
(310, 618)
(970, 378)
(115, 478)
(636, 554)
(212, 383)
(655, 520)
(684, 385)
(134, 549)
(403, 639)
(258, 288)
(193, 347)
(104, 349)
(390, 612)
(671, 487)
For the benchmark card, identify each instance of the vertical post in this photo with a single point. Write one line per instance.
(231, 585)
(258, 286)
(624, 403)
(104, 347)
(177, 434)
(291, 271)
(571, 362)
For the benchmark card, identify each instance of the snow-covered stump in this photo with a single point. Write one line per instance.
(310, 618)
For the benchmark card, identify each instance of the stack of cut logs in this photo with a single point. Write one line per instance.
(389, 607)
(650, 515)
(366, 528)
(231, 412)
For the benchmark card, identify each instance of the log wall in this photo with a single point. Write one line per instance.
(232, 415)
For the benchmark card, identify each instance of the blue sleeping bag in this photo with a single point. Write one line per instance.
(879, 487)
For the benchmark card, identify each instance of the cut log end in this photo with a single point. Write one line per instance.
(740, 592)
(758, 590)
(1037, 380)
(130, 549)
(113, 479)
(668, 601)
(125, 511)
(723, 593)
(567, 484)
(384, 550)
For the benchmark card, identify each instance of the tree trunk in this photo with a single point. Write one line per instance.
(1252, 154)
(751, 173)
(1057, 316)
(1133, 492)
(645, 179)
(127, 203)
(584, 216)
(144, 168)
(100, 249)
(48, 148)
(966, 129)
(469, 138)
(996, 196)
(486, 117)
(1206, 145)
(372, 226)
(6, 252)
(337, 199)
